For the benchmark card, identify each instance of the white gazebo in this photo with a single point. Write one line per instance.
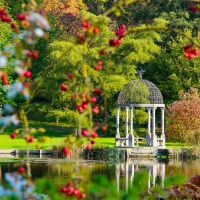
(140, 93)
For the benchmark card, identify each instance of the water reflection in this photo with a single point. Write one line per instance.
(59, 171)
(156, 170)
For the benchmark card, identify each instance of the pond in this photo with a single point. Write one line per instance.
(59, 171)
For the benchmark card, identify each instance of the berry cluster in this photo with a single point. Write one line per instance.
(4, 17)
(28, 135)
(70, 190)
(85, 102)
(190, 52)
(98, 66)
(33, 54)
(120, 33)
(4, 78)
(89, 30)
(193, 8)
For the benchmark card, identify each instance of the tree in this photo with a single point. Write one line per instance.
(183, 118)
(171, 71)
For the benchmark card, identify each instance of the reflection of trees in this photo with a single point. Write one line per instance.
(61, 173)
(190, 168)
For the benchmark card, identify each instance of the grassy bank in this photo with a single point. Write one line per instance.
(57, 133)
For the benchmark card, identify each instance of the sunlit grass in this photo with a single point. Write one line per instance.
(57, 134)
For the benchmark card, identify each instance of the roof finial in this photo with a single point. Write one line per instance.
(140, 72)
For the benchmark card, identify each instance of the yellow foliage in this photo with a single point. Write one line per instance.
(59, 7)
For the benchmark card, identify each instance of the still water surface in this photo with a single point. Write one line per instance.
(59, 171)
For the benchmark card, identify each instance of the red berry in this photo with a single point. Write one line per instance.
(187, 48)
(95, 109)
(1, 10)
(81, 38)
(193, 8)
(92, 142)
(84, 105)
(191, 56)
(96, 30)
(69, 184)
(113, 42)
(12, 26)
(66, 151)
(3, 76)
(123, 26)
(73, 96)
(103, 128)
(5, 82)
(70, 76)
(99, 62)
(89, 147)
(93, 99)
(29, 53)
(79, 108)
(195, 51)
(120, 33)
(84, 132)
(186, 55)
(84, 24)
(83, 95)
(96, 67)
(20, 16)
(35, 55)
(103, 52)
(63, 87)
(97, 124)
(13, 135)
(63, 189)
(93, 134)
(21, 170)
(70, 191)
(83, 195)
(119, 42)
(87, 26)
(77, 193)
(27, 74)
(3, 17)
(31, 139)
(97, 91)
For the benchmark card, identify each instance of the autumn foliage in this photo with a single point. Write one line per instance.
(66, 14)
(183, 118)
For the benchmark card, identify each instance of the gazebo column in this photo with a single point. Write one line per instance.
(154, 174)
(117, 174)
(148, 136)
(131, 136)
(162, 126)
(127, 135)
(162, 174)
(117, 142)
(154, 142)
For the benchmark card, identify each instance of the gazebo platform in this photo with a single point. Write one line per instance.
(146, 152)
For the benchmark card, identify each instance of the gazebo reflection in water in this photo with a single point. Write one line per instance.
(155, 169)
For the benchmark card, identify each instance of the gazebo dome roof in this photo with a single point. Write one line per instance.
(140, 91)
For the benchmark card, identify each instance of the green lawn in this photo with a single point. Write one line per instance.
(57, 133)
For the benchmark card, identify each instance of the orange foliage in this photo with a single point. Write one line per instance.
(66, 13)
(59, 7)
